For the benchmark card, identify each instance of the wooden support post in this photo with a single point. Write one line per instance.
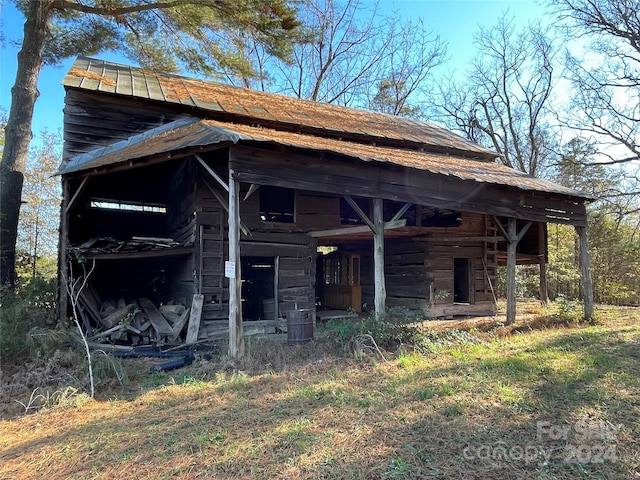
(585, 267)
(276, 287)
(511, 271)
(236, 337)
(542, 262)
(378, 257)
(63, 272)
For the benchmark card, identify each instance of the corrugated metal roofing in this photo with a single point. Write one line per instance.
(266, 108)
(186, 133)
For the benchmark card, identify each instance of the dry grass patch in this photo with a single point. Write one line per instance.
(468, 409)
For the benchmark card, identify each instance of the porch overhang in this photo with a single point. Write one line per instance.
(270, 157)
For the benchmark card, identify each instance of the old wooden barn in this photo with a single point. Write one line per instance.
(177, 191)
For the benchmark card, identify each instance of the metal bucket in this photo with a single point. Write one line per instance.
(299, 327)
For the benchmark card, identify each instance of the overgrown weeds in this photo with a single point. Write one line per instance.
(27, 309)
(396, 327)
(473, 410)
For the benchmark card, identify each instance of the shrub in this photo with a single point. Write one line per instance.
(30, 306)
(395, 327)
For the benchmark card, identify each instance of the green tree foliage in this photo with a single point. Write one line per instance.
(563, 272)
(40, 213)
(168, 35)
(615, 259)
(614, 240)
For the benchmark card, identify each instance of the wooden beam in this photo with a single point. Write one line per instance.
(363, 216)
(179, 325)
(236, 336)
(211, 172)
(511, 271)
(522, 232)
(251, 191)
(243, 227)
(585, 264)
(461, 239)
(402, 211)
(389, 182)
(158, 321)
(63, 270)
(358, 229)
(498, 224)
(200, 257)
(380, 296)
(76, 195)
(276, 287)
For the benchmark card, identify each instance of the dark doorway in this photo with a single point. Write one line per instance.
(461, 277)
(258, 275)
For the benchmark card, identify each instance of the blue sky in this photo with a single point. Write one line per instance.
(454, 20)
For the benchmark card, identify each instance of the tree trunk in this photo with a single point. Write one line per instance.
(18, 134)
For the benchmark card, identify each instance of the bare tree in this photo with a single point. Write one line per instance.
(604, 74)
(413, 55)
(349, 54)
(503, 102)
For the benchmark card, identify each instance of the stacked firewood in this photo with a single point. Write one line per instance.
(137, 322)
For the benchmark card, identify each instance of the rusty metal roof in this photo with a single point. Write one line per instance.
(241, 105)
(186, 133)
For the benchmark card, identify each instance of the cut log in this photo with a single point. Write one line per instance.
(117, 316)
(194, 318)
(159, 323)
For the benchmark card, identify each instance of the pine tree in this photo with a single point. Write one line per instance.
(163, 34)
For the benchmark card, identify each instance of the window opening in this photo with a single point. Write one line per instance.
(103, 204)
(436, 217)
(277, 204)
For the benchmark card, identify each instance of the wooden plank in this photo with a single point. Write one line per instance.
(236, 338)
(378, 254)
(117, 316)
(351, 230)
(194, 318)
(87, 298)
(511, 270)
(158, 321)
(179, 325)
(355, 178)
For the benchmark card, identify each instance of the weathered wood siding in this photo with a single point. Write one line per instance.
(92, 120)
(181, 227)
(419, 272)
(296, 254)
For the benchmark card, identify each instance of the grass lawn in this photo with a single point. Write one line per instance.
(535, 401)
